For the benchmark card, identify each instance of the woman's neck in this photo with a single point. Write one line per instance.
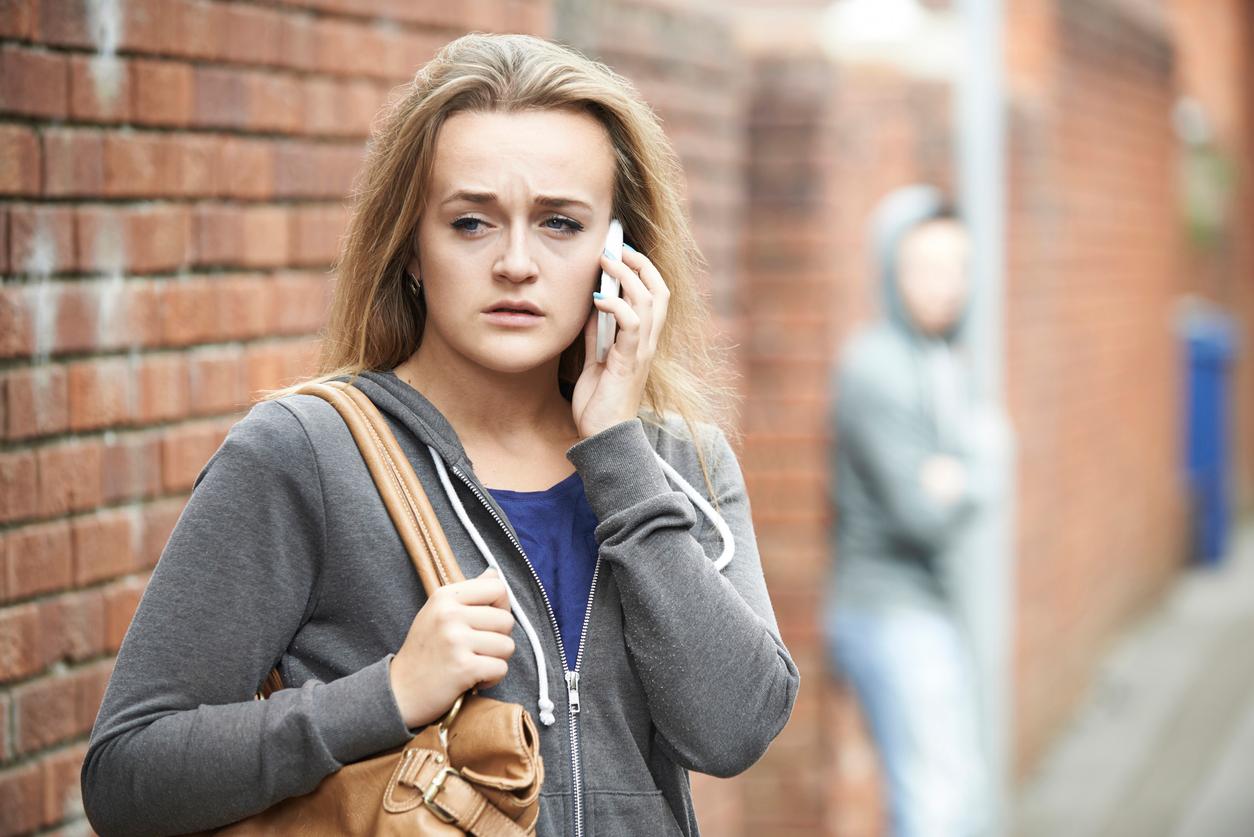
(483, 404)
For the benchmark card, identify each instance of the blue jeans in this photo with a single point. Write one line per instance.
(911, 672)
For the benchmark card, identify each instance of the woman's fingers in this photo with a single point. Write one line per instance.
(485, 618)
(486, 589)
(628, 338)
(656, 285)
(491, 644)
(635, 292)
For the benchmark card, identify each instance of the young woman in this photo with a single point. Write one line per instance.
(599, 590)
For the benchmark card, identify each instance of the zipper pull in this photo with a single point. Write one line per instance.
(572, 689)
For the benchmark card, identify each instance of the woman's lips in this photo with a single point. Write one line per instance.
(513, 319)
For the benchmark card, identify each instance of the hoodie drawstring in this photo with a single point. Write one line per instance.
(545, 704)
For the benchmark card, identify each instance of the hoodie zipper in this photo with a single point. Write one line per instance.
(571, 676)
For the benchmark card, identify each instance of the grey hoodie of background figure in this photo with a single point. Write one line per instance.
(887, 419)
(285, 553)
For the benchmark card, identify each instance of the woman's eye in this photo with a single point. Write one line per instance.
(567, 225)
(467, 224)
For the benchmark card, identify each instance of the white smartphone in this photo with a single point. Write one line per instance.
(607, 326)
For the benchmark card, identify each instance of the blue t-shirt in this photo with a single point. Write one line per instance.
(556, 527)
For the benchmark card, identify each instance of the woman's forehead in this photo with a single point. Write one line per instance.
(558, 153)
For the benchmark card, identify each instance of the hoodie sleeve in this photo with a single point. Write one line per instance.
(718, 679)
(888, 443)
(179, 744)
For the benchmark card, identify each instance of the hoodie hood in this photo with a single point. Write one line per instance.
(897, 214)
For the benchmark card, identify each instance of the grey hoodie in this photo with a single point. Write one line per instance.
(285, 553)
(898, 397)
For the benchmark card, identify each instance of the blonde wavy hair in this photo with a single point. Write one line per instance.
(376, 320)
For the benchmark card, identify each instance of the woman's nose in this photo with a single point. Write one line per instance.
(515, 263)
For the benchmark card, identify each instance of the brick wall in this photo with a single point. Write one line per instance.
(172, 178)
(1094, 381)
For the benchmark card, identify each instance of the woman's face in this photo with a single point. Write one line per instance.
(517, 212)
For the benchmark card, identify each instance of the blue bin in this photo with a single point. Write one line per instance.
(1211, 347)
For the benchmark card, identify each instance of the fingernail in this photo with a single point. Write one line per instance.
(598, 295)
(606, 252)
(627, 246)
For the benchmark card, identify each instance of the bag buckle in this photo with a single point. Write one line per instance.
(428, 795)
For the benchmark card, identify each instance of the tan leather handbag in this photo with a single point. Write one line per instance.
(478, 770)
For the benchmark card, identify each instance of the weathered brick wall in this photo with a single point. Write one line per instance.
(1093, 369)
(1216, 66)
(172, 179)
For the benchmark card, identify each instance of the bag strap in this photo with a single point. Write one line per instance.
(398, 485)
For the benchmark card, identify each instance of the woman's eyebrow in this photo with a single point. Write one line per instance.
(552, 201)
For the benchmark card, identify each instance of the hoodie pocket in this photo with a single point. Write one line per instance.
(615, 813)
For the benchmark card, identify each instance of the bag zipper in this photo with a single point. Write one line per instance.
(571, 676)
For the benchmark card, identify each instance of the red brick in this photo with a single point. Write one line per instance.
(218, 234)
(17, 19)
(275, 103)
(80, 621)
(100, 393)
(76, 311)
(162, 388)
(20, 161)
(21, 799)
(44, 713)
(65, 23)
(301, 301)
(217, 381)
(63, 787)
(41, 239)
(21, 651)
(37, 401)
(17, 332)
(204, 21)
(254, 34)
(18, 478)
(142, 164)
(162, 92)
(160, 238)
(202, 167)
(39, 559)
(6, 751)
(50, 710)
(246, 306)
(315, 234)
(264, 236)
(153, 25)
(69, 476)
(298, 43)
(73, 162)
(184, 451)
(188, 311)
(34, 82)
(248, 168)
(104, 545)
(220, 97)
(100, 89)
(121, 601)
(131, 467)
(140, 240)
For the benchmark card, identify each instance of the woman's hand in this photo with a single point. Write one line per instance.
(460, 638)
(610, 392)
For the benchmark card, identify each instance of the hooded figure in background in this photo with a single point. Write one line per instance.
(914, 467)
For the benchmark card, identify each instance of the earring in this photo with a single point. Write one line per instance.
(416, 283)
